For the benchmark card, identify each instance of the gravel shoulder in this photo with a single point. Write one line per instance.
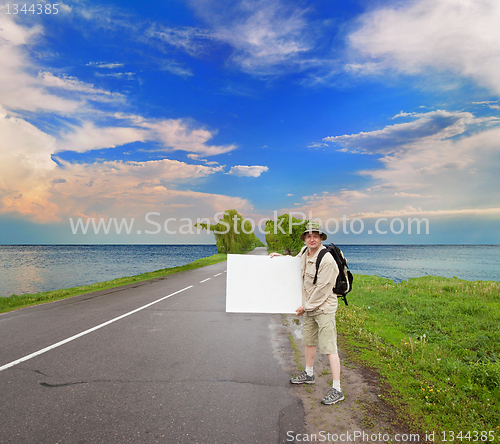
(363, 410)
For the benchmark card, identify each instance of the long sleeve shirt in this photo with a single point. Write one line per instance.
(318, 298)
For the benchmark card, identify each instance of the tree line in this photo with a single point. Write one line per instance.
(234, 234)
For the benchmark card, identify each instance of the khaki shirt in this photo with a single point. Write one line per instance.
(318, 298)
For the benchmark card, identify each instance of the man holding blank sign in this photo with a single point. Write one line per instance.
(319, 305)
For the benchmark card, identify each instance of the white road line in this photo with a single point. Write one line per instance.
(90, 330)
(205, 280)
(218, 274)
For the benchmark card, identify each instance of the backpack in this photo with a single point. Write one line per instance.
(343, 285)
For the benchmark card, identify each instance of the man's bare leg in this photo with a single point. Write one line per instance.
(310, 355)
(334, 366)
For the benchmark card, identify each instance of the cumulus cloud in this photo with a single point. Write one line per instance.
(168, 134)
(19, 88)
(326, 205)
(36, 185)
(179, 134)
(126, 188)
(440, 163)
(444, 35)
(25, 167)
(88, 137)
(248, 170)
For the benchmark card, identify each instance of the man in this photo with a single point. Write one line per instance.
(319, 305)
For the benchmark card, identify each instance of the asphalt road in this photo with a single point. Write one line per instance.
(180, 370)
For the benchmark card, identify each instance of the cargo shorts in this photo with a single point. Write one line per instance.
(320, 330)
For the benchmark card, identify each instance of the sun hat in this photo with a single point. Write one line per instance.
(312, 227)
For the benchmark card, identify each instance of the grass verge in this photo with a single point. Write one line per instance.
(436, 342)
(14, 302)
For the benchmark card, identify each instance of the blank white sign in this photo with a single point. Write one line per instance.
(260, 284)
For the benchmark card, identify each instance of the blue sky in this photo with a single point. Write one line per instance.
(370, 111)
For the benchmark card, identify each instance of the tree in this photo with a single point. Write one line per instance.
(233, 233)
(284, 233)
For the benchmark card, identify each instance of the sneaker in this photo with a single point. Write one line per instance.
(303, 378)
(333, 396)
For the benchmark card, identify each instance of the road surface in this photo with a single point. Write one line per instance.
(150, 362)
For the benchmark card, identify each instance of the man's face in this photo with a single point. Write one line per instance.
(313, 240)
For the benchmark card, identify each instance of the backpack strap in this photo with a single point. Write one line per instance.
(321, 254)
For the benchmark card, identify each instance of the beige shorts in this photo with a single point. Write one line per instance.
(320, 330)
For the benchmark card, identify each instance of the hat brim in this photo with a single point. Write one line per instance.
(303, 235)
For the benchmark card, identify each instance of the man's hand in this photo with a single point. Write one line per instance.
(300, 311)
(275, 254)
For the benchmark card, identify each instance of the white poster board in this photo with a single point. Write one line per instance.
(260, 284)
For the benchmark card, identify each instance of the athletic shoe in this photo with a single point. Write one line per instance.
(303, 378)
(333, 396)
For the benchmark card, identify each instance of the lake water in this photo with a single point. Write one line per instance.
(402, 262)
(34, 268)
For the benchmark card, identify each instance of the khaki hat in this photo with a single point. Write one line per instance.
(312, 227)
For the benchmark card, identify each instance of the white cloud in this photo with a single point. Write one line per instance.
(427, 127)
(49, 80)
(22, 89)
(14, 34)
(19, 88)
(441, 163)
(444, 35)
(179, 134)
(328, 205)
(176, 68)
(168, 134)
(117, 75)
(410, 211)
(88, 137)
(317, 145)
(403, 194)
(492, 104)
(248, 170)
(100, 188)
(193, 41)
(267, 37)
(36, 187)
(104, 65)
(25, 168)
(33, 186)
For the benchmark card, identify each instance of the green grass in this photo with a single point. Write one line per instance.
(436, 342)
(18, 301)
(296, 352)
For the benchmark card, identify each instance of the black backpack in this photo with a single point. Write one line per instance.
(344, 279)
